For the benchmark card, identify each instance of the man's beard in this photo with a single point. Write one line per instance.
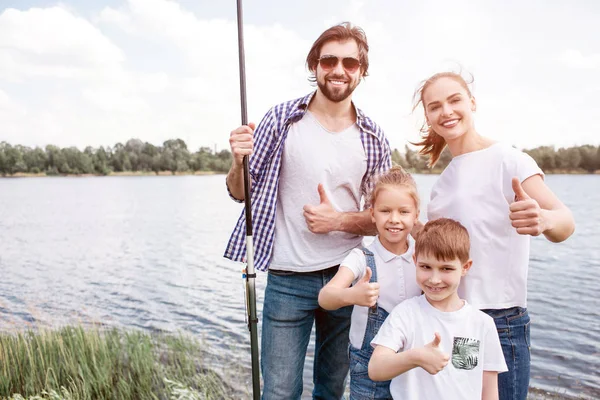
(336, 95)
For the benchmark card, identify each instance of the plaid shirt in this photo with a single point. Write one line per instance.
(265, 164)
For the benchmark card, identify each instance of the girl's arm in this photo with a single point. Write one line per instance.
(386, 364)
(537, 210)
(338, 293)
(490, 385)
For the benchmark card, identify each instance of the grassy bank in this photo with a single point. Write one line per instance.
(74, 363)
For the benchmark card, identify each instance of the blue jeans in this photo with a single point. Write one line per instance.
(290, 308)
(513, 328)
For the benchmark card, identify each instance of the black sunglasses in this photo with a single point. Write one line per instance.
(329, 62)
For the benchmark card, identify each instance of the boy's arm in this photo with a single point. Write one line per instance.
(490, 385)
(338, 293)
(386, 364)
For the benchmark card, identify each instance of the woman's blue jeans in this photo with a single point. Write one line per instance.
(513, 328)
(290, 308)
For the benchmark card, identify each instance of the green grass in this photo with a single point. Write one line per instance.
(74, 363)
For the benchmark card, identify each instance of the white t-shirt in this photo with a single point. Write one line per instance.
(313, 155)
(468, 334)
(476, 190)
(397, 279)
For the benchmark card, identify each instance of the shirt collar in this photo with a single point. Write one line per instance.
(302, 106)
(388, 256)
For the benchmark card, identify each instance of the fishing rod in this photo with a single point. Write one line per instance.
(250, 273)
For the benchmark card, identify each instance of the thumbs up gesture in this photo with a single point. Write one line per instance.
(322, 218)
(525, 212)
(365, 293)
(433, 359)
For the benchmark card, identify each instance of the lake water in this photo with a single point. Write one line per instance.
(146, 252)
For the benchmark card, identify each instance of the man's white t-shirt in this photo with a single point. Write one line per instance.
(313, 155)
(468, 335)
(396, 275)
(476, 190)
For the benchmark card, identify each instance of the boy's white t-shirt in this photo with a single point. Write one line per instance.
(397, 279)
(468, 335)
(476, 190)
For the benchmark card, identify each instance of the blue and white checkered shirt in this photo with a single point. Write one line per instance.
(265, 164)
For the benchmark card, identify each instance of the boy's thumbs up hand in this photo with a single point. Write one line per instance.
(436, 340)
(366, 293)
(525, 213)
(433, 359)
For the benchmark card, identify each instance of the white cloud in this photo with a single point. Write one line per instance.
(53, 42)
(155, 70)
(575, 59)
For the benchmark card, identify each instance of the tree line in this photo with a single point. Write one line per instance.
(175, 157)
(134, 156)
(584, 159)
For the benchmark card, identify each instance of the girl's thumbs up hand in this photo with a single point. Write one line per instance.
(365, 293)
(525, 213)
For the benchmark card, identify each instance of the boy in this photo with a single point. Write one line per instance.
(455, 345)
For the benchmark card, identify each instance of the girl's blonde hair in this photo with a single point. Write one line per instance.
(396, 176)
(432, 143)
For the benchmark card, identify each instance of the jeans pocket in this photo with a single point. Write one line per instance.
(361, 387)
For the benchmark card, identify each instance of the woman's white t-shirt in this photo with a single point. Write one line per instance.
(397, 279)
(468, 335)
(476, 190)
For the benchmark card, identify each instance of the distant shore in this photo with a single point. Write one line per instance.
(125, 173)
(198, 173)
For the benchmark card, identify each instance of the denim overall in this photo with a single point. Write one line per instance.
(361, 387)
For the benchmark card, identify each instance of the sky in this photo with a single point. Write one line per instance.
(79, 73)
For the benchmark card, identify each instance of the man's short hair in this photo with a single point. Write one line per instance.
(445, 239)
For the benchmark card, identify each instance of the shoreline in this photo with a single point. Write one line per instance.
(77, 343)
(202, 173)
(125, 174)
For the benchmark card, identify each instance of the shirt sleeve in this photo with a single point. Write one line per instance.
(493, 358)
(355, 261)
(520, 165)
(382, 166)
(392, 333)
(265, 136)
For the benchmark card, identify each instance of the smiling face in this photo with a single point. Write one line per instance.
(394, 213)
(338, 84)
(449, 108)
(439, 280)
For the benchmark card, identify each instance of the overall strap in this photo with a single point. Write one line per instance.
(370, 257)
(376, 314)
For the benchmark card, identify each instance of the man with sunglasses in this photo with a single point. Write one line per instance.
(312, 161)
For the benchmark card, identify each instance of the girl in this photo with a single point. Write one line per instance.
(382, 275)
(498, 193)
